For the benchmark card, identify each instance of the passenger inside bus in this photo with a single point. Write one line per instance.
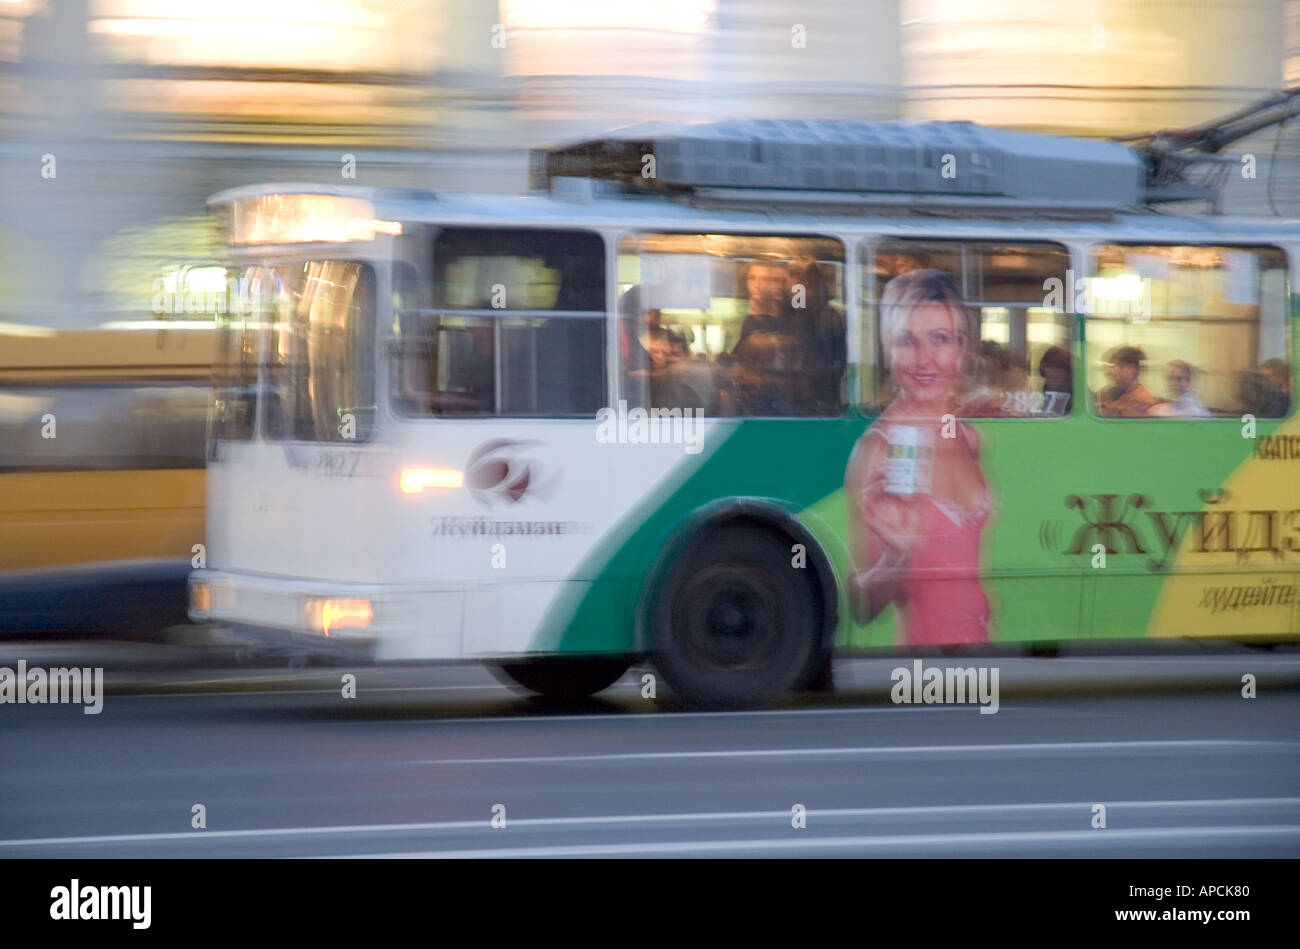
(1129, 398)
(819, 329)
(763, 376)
(1058, 380)
(796, 364)
(1277, 388)
(660, 372)
(766, 292)
(1184, 403)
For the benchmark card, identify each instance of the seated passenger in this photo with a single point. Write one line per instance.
(1184, 404)
(1058, 381)
(1130, 398)
(659, 371)
(1276, 402)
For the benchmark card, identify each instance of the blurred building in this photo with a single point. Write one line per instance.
(1102, 67)
(147, 106)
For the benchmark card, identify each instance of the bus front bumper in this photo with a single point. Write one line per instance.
(325, 615)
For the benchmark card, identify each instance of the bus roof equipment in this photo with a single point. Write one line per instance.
(934, 166)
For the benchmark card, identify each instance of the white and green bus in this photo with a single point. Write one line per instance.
(731, 399)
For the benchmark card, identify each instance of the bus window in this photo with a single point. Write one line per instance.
(517, 327)
(234, 379)
(318, 374)
(1016, 335)
(104, 427)
(732, 325)
(1188, 332)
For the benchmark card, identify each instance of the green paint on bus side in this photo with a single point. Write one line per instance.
(1136, 474)
(793, 462)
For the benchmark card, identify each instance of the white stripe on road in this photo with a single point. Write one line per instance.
(1099, 837)
(668, 715)
(934, 810)
(1021, 747)
(305, 691)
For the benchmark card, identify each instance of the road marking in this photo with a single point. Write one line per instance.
(936, 810)
(332, 690)
(670, 714)
(1104, 838)
(1174, 744)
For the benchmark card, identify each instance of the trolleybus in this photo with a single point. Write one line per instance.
(734, 398)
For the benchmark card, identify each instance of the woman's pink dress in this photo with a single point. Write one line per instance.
(944, 599)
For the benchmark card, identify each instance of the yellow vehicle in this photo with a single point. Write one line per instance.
(102, 436)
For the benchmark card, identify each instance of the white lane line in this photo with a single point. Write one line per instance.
(935, 810)
(670, 715)
(1015, 748)
(1102, 838)
(312, 691)
(1159, 661)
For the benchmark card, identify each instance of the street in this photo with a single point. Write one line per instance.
(423, 762)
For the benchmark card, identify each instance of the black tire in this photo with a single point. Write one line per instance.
(566, 677)
(737, 624)
(821, 676)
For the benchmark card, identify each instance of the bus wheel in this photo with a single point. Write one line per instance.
(566, 677)
(737, 624)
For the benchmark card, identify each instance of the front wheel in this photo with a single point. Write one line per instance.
(566, 677)
(738, 623)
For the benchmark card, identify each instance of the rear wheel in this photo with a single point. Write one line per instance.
(566, 677)
(737, 624)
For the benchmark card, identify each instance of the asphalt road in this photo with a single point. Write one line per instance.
(418, 762)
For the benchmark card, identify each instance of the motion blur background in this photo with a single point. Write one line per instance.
(148, 106)
(118, 118)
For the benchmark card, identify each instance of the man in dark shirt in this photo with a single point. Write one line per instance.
(819, 330)
(768, 307)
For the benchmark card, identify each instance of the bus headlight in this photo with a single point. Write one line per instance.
(206, 595)
(200, 601)
(327, 616)
(416, 480)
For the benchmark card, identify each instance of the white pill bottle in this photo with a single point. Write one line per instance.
(908, 460)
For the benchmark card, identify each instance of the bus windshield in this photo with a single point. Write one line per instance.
(307, 346)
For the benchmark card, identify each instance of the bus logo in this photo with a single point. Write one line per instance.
(496, 474)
